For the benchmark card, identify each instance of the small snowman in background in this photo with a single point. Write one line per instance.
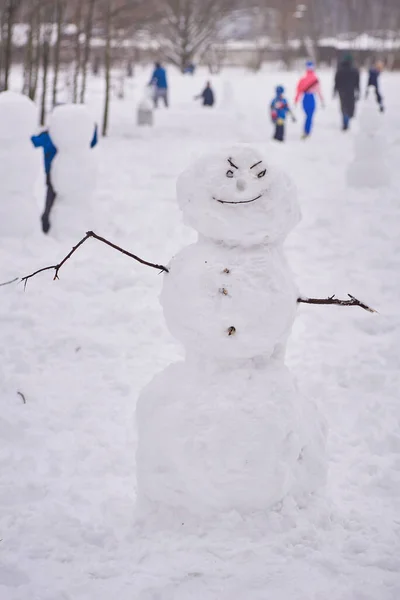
(74, 169)
(369, 168)
(145, 112)
(20, 166)
(227, 429)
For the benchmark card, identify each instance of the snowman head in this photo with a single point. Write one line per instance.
(237, 197)
(71, 127)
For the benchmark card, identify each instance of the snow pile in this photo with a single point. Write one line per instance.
(227, 429)
(74, 170)
(369, 168)
(19, 166)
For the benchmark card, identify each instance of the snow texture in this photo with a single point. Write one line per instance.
(19, 166)
(73, 171)
(81, 349)
(230, 415)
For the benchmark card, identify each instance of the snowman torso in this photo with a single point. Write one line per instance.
(73, 171)
(229, 302)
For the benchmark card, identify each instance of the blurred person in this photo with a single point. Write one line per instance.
(373, 81)
(43, 140)
(347, 85)
(159, 82)
(189, 69)
(207, 95)
(308, 87)
(279, 109)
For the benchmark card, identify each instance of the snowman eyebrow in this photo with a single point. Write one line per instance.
(232, 164)
(256, 165)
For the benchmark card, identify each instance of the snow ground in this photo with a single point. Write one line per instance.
(81, 349)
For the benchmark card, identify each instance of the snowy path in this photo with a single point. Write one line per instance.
(81, 349)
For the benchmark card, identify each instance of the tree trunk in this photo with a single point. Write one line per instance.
(1, 50)
(77, 52)
(11, 7)
(45, 69)
(107, 69)
(57, 48)
(28, 59)
(36, 55)
(86, 50)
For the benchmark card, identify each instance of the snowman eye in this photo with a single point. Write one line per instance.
(229, 173)
(262, 173)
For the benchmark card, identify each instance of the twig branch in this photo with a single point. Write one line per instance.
(8, 282)
(22, 396)
(91, 234)
(332, 300)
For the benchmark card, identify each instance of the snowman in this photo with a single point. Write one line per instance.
(73, 171)
(20, 167)
(226, 429)
(369, 168)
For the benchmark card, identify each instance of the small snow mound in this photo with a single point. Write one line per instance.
(237, 196)
(71, 127)
(17, 117)
(369, 169)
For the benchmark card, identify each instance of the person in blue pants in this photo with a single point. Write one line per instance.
(308, 87)
(43, 140)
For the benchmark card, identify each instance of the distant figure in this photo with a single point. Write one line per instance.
(43, 140)
(279, 110)
(373, 81)
(208, 95)
(347, 85)
(189, 69)
(307, 87)
(159, 81)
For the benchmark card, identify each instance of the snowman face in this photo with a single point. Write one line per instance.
(237, 198)
(245, 183)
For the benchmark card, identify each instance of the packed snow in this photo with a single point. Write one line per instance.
(74, 170)
(77, 353)
(20, 166)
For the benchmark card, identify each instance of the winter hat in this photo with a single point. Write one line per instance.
(279, 89)
(310, 65)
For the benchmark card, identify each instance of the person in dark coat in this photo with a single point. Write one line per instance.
(43, 140)
(373, 81)
(207, 95)
(347, 85)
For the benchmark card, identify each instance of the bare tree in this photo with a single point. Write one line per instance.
(60, 11)
(10, 9)
(77, 67)
(86, 49)
(187, 26)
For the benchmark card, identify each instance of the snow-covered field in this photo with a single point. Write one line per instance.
(79, 350)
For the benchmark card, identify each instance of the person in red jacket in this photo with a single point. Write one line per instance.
(308, 87)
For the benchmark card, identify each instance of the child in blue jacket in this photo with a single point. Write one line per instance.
(279, 110)
(43, 140)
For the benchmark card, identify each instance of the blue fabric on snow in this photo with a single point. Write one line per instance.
(309, 109)
(43, 140)
(159, 78)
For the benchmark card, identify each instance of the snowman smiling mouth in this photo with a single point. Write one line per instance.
(239, 201)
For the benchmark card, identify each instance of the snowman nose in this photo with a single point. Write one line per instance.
(241, 185)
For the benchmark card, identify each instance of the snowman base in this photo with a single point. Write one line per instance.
(217, 440)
